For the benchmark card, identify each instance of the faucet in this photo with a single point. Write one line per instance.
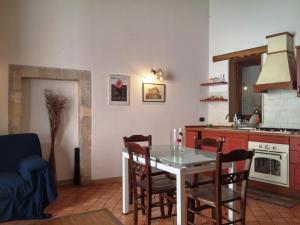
(235, 121)
(227, 116)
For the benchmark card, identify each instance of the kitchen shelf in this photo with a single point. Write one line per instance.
(214, 83)
(214, 100)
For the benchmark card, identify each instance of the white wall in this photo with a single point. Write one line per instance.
(121, 37)
(36, 119)
(240, 24)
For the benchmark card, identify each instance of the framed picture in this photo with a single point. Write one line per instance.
(119, 86)
(154, 92)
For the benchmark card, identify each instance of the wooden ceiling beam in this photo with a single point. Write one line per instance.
(241, 54)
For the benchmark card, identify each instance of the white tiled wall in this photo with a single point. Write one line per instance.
(281, 108)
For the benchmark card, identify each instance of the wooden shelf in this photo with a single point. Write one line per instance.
(213, 100)
(214, 83)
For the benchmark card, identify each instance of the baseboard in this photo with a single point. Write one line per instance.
(98, 181)
(107, 180)
(65, 182)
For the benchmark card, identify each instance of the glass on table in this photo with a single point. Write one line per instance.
(177, 139)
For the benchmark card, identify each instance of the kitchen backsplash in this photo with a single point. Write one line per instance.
(281, 109)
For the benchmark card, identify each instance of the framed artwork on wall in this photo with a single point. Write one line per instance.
(119, 89)
(154, 92)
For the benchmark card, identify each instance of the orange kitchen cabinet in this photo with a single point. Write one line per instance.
(295, 163)
(295, 176)
(236, 141)
(191, 135)
(232, 141)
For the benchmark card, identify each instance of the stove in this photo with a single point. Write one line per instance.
(276, 130)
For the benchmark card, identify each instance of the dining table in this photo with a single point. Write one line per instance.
(180, 161)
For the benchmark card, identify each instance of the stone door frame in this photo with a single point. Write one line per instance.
(83, 77)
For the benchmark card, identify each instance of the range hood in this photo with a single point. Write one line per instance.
(279, 70)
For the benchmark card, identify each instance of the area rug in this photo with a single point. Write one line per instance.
(99, 217)
(284, 201)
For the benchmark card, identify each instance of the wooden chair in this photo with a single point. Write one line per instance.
(145, 185)
(218, 195)
(204, 144)
(210, 143)
(138, 139)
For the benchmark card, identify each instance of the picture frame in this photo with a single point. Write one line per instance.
(154, 92)
(119, 89)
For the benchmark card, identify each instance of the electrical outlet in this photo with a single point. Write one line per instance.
(201, 119)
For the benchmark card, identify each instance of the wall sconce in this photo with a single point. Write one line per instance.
(158, 74)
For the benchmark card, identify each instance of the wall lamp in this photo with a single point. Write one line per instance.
(158, 74)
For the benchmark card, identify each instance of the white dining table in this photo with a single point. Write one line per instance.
(180, 162)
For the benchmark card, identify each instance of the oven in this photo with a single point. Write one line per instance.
(270, 163)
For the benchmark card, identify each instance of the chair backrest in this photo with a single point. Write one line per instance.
(222, 178)
(138, 169)
(15, 147)
(209, 142)
(138, 138)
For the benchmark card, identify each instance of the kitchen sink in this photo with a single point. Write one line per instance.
(231, 128)
(246, 128)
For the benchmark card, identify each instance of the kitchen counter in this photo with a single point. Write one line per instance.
(239, 139)
(236, 130)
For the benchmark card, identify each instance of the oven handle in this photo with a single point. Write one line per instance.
(268, 154)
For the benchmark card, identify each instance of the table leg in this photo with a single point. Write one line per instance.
(125, 187)
(232, 169)
(180, 195)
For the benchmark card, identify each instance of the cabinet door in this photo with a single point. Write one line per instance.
(295, 176)
(190, 138)
(234, 142)
(295, 144)
(295, 157)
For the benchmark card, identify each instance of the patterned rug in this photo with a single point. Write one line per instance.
(99, 217)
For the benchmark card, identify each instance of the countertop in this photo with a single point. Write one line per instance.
(235, 130)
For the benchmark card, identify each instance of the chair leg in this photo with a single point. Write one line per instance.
(243, 212)
(162, 207)
(143, 201)
(130, 188)
(191, 206)
(170, 204)
(148, 210)
(218, 211)
(135, 212)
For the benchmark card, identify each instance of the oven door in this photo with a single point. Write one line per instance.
(270, 167)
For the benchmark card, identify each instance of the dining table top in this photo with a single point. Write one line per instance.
(181, 156)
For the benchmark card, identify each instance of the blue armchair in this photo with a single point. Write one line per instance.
(26, 185)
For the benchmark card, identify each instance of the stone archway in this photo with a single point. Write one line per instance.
(83, 77)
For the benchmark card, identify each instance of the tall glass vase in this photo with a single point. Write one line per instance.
(177, 140)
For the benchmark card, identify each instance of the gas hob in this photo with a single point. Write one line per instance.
(277, 130)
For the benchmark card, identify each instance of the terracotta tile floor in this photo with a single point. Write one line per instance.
(74, 200)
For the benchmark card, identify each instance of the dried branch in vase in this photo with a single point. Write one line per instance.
(56, 105)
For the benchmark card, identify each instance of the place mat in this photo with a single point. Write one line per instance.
(99, 217)
(277, 199)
